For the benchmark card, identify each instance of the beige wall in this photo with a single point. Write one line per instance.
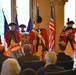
(44, 8)
(59, 23)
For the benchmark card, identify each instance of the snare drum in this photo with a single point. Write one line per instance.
(15, 48)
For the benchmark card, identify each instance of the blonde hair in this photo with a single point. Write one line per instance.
(10, 67)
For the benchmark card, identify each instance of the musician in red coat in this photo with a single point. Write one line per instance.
(68, 35)
(13, 39)
(38, 38)
(24, 34)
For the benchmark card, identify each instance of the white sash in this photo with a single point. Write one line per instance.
(14, 46)
(40, 36)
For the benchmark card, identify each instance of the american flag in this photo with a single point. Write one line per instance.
(51, 32)
(16, 21)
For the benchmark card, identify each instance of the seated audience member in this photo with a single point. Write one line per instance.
(2, 56)
(28, 71)
(61, 56)
(10, 67)
(50, 60)
(28, 56)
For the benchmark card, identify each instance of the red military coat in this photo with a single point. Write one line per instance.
(63, 37)
(8, 36)
(32, 36)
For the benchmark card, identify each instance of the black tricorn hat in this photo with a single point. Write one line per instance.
(70, 22)
(68, 28)
(38, 19)
(12, 23)
(22, 25)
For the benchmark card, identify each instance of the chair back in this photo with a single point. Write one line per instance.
(66, 64)
(33, 64)
(65, 72)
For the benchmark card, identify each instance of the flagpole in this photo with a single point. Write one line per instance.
(3, 11)
(36, 15)
(51, 30)
(54, 23)
(52, 4)
(35, 28)
(31, 14)
(6, 28)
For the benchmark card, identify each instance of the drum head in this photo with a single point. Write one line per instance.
(15, 48)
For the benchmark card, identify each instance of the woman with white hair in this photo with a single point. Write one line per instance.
(10, 67)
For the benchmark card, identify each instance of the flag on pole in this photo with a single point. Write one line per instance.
(29, 26)
(16, 21)
(51, 32)
(6, 29)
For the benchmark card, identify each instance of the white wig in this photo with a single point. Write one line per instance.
(10, 67)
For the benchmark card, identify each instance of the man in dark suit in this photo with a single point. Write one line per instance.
(28, 56)
(61, 56)
(2, 56)
(50, 60)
